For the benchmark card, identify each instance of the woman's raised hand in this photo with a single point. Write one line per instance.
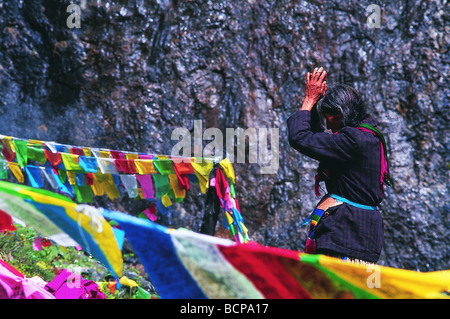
(316, 86)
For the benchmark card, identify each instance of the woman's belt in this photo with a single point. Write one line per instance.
(345, 200)
(313, 219)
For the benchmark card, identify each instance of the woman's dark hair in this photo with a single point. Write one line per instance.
(346, 100)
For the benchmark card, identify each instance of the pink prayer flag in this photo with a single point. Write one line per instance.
(13, 285)
(117, 154)
(151, 213)
(146, 185)
(37, 245)
(146, 157)
(228, 202)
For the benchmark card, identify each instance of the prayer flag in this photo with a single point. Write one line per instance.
(130, 184)
(164, 165)
(8, 148)
(178, 192)
(88, 164)
(71, 162)
(20, 147)
(228, 169)
(84, 224)
(54, 158)
(34, 177)
(202, 171)
(186, 265)
(146, 185)
(15, 169)
(36, 153)
(161, 184)
(144, 167)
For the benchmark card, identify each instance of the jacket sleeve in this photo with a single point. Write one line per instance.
(339, 147)
(316, 125)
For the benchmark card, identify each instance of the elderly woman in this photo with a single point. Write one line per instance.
(353, 164)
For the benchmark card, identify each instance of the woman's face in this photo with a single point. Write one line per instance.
(334, 122)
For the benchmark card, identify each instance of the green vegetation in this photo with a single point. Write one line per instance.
(16, 248)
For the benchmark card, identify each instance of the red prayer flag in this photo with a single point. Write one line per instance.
(54, 158)
(76, 151)
(6, 222)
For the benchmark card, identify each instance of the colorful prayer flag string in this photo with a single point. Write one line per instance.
(183, 264)
(85, 172)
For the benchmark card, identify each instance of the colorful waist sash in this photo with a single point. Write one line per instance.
(314, 218)
(345, 200)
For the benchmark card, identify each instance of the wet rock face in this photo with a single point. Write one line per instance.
(136, 70)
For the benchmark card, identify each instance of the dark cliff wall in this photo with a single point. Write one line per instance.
(136, 70)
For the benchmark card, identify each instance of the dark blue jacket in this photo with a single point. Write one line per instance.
(353, 160)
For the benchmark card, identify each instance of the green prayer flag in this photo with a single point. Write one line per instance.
(83, 193)
(142, 294)
(62, 175)
(21, 152)
(161, 184)
(164, 166)
(232, 190)
(3, 169)
(36, 153)
(178, 199)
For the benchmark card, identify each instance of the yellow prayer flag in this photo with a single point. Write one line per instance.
(97, 187)
(228, 169)
(87, 152)
(244, 229)
(395, 283)
(179, 193)
(144, 167)
(229, 218)
(128, 282)
(165, 200)
(110, 187)
(71, 162)
(72, 177)
(140, 193)
(33, 142)
(15, 169)
(202, 171)
(104, 154)
(130, 156)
